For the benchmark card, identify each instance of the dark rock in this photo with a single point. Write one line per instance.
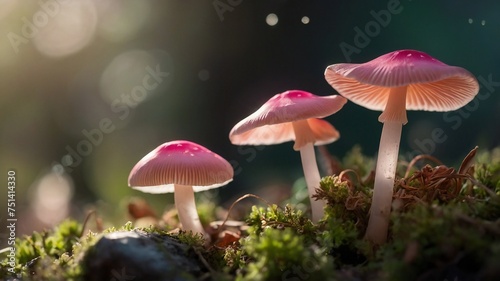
(137, 255)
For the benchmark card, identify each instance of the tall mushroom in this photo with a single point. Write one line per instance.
(393, 83)
(181, 167)
(288, 116)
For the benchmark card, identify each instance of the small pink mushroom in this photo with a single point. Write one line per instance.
(181, 167)
(393, 83)
(292, 116)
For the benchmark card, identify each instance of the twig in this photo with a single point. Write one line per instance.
(418, 158)
(238, 200)
(491, 228)
(98, 224)
(341, 175)
(467, 163)
(204, 261)
(490, 192)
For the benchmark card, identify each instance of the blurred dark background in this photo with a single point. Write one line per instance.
(73, 77)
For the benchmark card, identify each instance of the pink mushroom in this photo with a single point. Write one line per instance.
(393, 83)
(181, 167)
(292, 116)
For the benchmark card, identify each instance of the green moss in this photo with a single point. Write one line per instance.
(346, 201)
(446, 228)
(50, 255)
(274, 217)
(488, 169)
(276, 254)
(233, 259)
(284, 244)
(194, 240)
(128, 226)
(440, 241)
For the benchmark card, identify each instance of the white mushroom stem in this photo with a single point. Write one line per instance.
(393, 117)
(311, 173)
(304, 140)
(378, 223)
(186, 209)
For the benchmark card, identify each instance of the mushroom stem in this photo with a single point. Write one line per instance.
(395, 109)
(380, 210)
(186, 208)
(304, 139)
(393, 117)
(311, 174)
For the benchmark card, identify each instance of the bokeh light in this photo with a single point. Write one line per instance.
(132, 77)
(51, 198)
(272, 19)
(204, 75)
(7, 7)
(121, 20)
(66, 28)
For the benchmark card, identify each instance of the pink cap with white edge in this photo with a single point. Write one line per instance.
(293, 115)
(180, 162)
(181, 167)
(430, 84)
(285, 115)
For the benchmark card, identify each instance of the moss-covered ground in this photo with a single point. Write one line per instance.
(445, 225)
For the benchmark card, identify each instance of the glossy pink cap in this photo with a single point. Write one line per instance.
(431, 84)
(272, 122)
(183, 163)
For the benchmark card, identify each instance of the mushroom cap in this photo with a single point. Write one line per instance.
(272, 122)
(183, 163)
(431, 84)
